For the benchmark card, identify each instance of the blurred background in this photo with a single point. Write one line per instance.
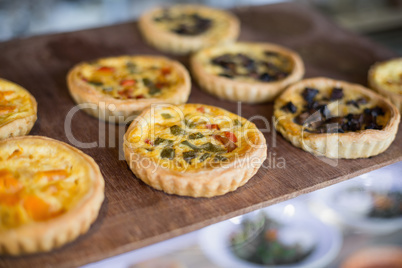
(380, 20)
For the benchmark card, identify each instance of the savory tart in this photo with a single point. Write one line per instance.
(50, 193)
(118, 88)
(17, 110)
(193, 149)
(386, 79)
(336, 119)
(182, 29)
(249, 72)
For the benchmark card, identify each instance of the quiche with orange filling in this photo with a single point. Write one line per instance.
(336, 119)
(17, 110)
(50, 193)
(182, 29)
(249, 72)
(193, 149)
(386, 78)
(115, 89)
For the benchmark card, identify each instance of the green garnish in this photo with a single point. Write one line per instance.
(211, 148)
(189, 124)
(204, 157)
(95, 83)
(220, 158)
(176, 130)
(192, 146)
(195, 136)
(159, 140)
(168, 153)
(166, 116)
(131, 67)
(146, 81)
(152, 88)
(236, 122)
(190, 155)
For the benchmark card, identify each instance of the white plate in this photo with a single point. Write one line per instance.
(215, 239)
(351, 209)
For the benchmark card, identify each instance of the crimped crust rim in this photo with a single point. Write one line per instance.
(180, 45)
(252, 92)
(83, 93)
(20, 126)
(45, 236)
(199, 183)
(377, 141)
(392, 96)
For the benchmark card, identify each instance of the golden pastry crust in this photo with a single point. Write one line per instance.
(119, 88)
(17, 110)
(250, 87)
(342, 141)
(50, 193)
(217, 26)
(386, 78)
(193, 149)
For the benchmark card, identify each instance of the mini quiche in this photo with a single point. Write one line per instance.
(386, 79)
(249, 72)
(182, 29)
(336, 119)
(193, 149)
(118, 88)
(50, 193)
(17, 110)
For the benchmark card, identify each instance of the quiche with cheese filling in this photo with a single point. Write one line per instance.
(386, 78)
(249, 72)
(182, 29)
(336, 119)
(17, 110)
(118, 88)
(193, 149)
(50, 193)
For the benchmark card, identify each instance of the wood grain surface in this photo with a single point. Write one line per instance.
(135, 215)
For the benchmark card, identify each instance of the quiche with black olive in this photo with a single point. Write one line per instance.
(182, 29)
(17, 110)
(117, 88)
(50, 193)
(193, 149)
(249, 72)
(336, 119)
(386, 78)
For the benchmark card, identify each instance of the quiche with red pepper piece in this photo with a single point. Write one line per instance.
(118, 88)
(193, 149)
(182, 29)
(336, 119)
(386, 78)
(50, 193)
(249, 72)
(17, 110)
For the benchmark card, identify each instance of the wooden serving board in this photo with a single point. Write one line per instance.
(135, 215)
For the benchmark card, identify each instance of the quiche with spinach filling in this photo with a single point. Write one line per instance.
(182, 29)
(120, 87)
(336, 119)
(193, 149)
(249, 72)
(50, 193)
(17, 110)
